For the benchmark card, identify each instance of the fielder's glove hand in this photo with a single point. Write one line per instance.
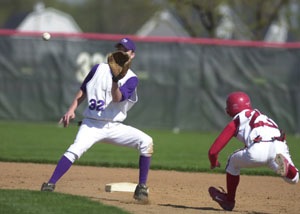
(119, 63)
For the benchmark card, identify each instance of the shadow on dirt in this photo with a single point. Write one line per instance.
(208, 209)
(186, 207)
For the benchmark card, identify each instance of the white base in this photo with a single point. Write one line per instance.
(120, 187)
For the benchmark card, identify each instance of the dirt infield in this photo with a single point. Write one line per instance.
(170, 191)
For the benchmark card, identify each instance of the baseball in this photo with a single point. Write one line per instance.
(46, 36)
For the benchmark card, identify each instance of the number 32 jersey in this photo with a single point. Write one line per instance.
(97, 86)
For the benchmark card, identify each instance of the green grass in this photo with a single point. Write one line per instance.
(34, 202)
(46, 143)
(186, 151)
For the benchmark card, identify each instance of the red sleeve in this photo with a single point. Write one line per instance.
(221, 141)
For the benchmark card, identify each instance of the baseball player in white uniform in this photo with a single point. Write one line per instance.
(108, 101)
(265, 145)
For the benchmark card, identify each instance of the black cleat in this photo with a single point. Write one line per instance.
(48, 187)
(141, 193)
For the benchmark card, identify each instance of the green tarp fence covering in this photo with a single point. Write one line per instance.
(182, 85)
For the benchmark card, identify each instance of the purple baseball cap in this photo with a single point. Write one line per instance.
(127, 43)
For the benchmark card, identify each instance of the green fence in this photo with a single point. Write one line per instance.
(183, 83)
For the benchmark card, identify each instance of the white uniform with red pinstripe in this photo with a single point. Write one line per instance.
(255, 126)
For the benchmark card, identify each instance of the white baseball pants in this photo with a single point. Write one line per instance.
(257, 155)
(93, 131)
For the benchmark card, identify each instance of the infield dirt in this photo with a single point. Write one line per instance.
(170, 191)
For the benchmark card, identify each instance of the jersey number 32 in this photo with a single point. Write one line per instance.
(96, 104)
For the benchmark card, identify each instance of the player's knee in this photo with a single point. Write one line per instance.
(231, 169)
(71, 156)
(146, 148)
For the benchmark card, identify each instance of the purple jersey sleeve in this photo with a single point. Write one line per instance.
(128, 88)
(88, 78)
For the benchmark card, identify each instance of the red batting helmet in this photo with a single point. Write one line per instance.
(236, 102)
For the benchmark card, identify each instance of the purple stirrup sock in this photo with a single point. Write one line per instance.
(62, 167)
(144, 169)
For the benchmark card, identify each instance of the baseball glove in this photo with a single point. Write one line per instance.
(119, 63)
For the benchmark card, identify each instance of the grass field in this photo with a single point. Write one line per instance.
(186, 151)
(30, 202)
(46, 143)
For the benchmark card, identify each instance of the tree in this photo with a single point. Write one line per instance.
(227, 19)
(97, 16)
(250, 18)
(115, 16)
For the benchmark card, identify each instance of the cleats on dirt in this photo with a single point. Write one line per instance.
(48, 187)
(221, 198)
(141, 193)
